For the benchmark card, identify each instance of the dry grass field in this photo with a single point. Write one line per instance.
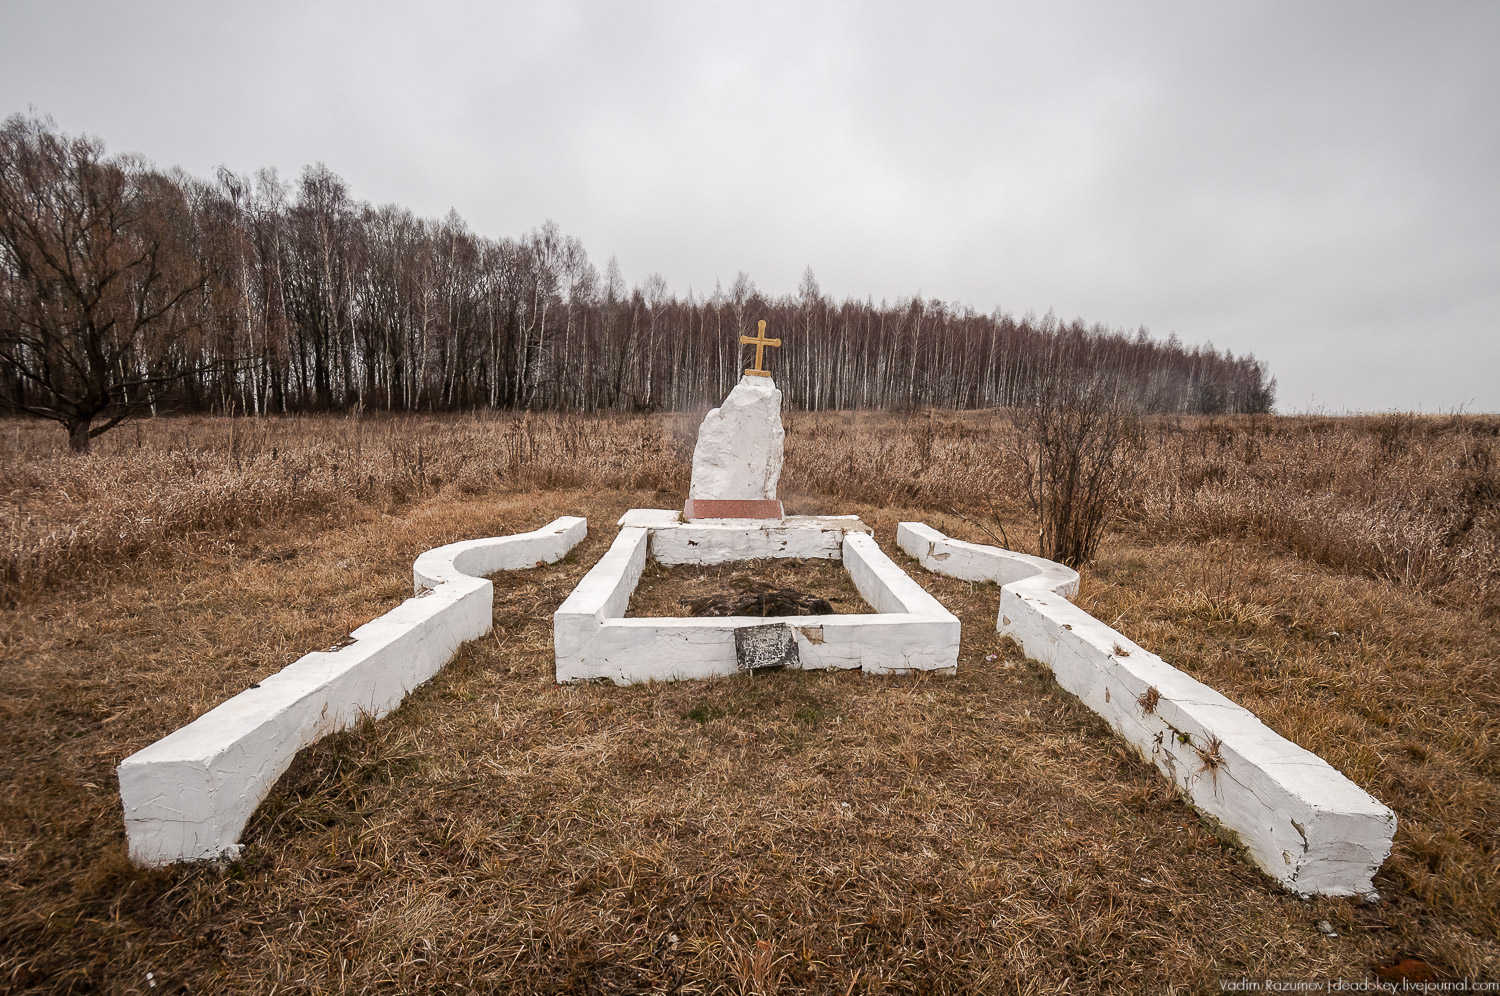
(790, 832)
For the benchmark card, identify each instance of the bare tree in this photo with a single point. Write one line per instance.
(99, 272)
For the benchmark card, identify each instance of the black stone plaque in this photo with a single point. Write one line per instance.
(763, 648)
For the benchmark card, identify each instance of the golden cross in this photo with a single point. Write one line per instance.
(760, 342)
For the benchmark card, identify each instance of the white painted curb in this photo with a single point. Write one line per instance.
(1303, 822)
(909, 630)
(476, 558)
(189, 795)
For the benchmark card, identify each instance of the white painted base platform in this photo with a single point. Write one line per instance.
(189, 795)
(910, 630)
(1303, 822)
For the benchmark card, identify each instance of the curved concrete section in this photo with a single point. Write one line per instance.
(476, 558)
(189, 795)
(1302, 821)
(976, 562)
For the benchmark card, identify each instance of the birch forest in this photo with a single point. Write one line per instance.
(123, 285)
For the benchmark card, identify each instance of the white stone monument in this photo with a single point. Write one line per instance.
(738, 456)
(737, 460)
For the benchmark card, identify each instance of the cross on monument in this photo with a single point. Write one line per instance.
(760, 342)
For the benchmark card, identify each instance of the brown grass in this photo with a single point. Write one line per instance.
(791, 832)
(175, 484)
(1410, 499)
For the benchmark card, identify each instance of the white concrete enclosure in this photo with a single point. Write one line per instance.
(189, 795)
(1303, 823)
(910, 630)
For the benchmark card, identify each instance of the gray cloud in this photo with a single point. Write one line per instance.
(1314, 183)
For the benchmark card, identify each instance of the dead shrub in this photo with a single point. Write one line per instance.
(1077, 441)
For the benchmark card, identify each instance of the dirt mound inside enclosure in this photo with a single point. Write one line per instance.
(789, 587)
(757, 598)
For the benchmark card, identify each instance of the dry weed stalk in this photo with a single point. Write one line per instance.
(1148, 700)
(1210, 755)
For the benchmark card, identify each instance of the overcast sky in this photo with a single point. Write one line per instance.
(1317, 183)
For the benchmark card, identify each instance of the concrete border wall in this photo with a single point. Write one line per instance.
(1303, 823)
(189, 795)
(593, 640)
(722, 541)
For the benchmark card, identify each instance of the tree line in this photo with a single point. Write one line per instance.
(125, 288)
